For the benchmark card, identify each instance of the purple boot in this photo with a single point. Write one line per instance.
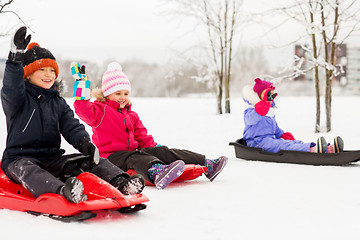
(168, 174)
(215, 167)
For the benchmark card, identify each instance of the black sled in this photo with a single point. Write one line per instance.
(296, 157)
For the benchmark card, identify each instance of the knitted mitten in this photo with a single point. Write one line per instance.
(82, 84)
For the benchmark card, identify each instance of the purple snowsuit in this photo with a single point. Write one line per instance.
(264, 132)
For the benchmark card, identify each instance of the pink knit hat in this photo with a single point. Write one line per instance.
(261, 85)
(114, 80)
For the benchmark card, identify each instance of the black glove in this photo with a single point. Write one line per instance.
(271, 97)
(86, 147)
(19, 43)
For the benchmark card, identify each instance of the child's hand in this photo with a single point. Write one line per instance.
(287, 136)
(19, 43)
(82, 84)
(269, 95)
(262, 107)
(78, 72)
(86, 147)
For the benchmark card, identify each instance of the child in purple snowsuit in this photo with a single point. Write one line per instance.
(261, 129)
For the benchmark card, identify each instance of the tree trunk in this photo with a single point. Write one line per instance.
(228, 71)
(332, 63)
(220, 71)
(327, 72)
(219, 99)
(316, 75)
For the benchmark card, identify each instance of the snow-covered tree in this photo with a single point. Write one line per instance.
(219, 21)
(327, 23)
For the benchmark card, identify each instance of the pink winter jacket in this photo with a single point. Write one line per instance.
(113, 129)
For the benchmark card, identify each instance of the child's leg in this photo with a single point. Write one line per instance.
(215, 166)
(136, 160)
(118, 178)
(169, 155)
(34, 178)
(150, 167)
(107, 171)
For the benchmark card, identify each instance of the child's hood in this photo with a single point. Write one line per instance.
(251, 98)
(249, 95)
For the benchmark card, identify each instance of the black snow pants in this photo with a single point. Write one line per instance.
(40, 177)
(143, 159)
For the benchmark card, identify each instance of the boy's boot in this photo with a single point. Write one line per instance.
(73, 190)
(163, 175)
(129, 186)
(215, 166)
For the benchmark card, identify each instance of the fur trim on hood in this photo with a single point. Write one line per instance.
(249, 95)
(60, 86)
(98, 95)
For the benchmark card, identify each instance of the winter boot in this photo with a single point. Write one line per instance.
(168, 174)
(338, 144)
(129, 186)
(155, 169)
(321, 146)
(73, 190)
(215, 167)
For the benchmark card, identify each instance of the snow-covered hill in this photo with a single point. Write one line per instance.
(249, 200)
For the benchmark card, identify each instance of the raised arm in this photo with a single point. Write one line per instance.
(13, 90)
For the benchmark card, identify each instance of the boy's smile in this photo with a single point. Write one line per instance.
(44, 77)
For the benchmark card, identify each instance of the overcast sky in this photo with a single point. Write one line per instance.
(120, 29)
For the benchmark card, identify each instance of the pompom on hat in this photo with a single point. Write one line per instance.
(36, 58)
(114, 80)
(261, 85)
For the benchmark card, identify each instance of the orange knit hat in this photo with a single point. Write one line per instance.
(37, 57)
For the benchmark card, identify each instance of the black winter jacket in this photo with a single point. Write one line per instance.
(35, 118)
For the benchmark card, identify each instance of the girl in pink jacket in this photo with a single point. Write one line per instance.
(122, 138)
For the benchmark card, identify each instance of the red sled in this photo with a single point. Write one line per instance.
(191, 172)
(101, 196)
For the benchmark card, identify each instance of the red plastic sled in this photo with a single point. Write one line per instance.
(101, 196)
(191, 172)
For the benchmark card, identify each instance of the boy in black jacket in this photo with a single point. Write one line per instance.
(36, 117)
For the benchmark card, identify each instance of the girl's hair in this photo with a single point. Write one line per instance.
(98, 94)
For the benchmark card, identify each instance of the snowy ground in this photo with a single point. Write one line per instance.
(249, 200)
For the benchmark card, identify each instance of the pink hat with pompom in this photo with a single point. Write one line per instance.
(261, 85)
(114, 80)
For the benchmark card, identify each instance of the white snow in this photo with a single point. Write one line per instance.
(248, 200)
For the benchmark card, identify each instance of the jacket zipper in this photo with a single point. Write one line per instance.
(127, 130)
(28, 122)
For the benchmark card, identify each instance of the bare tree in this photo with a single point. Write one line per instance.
(3, 9)
(316, 67)
(328, 24)
(2, 6)
(220, 19)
